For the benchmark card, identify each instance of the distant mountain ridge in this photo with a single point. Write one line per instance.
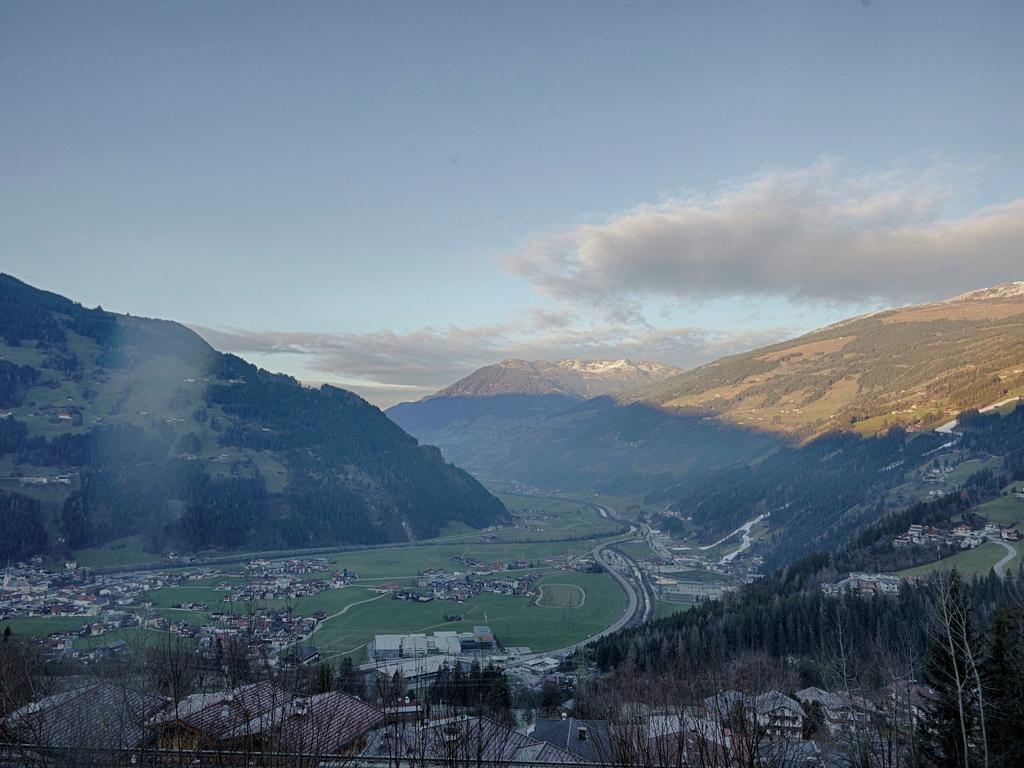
(116, 426)
(559, 425)
(913, 367)
(572, 377)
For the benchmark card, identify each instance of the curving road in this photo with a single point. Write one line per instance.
(1000, 567)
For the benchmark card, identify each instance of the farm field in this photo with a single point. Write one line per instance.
(405, 562)
(553, 595)
(541, 517)
(38, 626)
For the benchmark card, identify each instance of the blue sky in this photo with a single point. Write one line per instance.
(388, 195)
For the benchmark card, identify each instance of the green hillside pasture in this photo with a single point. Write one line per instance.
(959, 475)
(969, 562)
(514, 620)
(1006, 511)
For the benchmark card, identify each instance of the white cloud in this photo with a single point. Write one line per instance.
(818, 233)
(814, 235)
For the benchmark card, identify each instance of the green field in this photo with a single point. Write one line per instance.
(541, 517)
(638, 550)
(1006, 511)
(119, 553)
(403, 563)
(39, 626)
(959, 475)
(514, 620)
(969, 563)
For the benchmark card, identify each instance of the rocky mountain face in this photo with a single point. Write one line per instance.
(573, 377)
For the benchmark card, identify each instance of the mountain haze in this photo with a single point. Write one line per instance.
(559, 425)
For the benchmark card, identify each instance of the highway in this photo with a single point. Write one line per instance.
(639, 597)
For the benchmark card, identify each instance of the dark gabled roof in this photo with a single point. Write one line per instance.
(100, 714)
(463, 739)
(216, 715)
(565, 734)
(326, 723)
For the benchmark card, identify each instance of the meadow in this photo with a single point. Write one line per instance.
(1007, 511)
(971, 562)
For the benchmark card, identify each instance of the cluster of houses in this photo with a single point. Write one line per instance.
(284, 580)
(961, 537)
(459, 587)
(769, 728)
(417, 645)
(119, 601)
(864, 585)
(28, 590)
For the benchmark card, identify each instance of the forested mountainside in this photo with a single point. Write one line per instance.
(595, 445)
(787, 613)
(914, 367)
(815, 494)
(115, 425)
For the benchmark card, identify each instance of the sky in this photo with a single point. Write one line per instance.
(389, 195)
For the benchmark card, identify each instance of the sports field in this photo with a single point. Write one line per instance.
(561, 596)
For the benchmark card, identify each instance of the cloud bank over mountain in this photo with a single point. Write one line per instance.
(820, 233)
